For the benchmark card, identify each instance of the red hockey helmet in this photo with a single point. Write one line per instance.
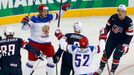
(43, 7)
(83, 42)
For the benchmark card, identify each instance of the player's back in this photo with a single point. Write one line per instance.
(72, 39)
(82, 59)
(10, 49)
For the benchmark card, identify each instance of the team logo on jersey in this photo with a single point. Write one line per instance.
(117, 29)
(45, 30)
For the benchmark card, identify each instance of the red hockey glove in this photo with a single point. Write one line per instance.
(65, 6)
(103, 34)
(125, 48)
(58, 34)
(25, 19)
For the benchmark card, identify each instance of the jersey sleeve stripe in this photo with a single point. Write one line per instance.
(98, 49)
(23, 44)
(108, 23)
(57, 16)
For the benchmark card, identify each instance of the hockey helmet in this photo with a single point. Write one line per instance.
(78, 26)
(83, 42)
(9, 31)
(43, 7)
(122, 7)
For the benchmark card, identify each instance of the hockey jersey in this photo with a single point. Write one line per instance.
(121, 31)
(10, 50)
(39, 28)
(82, 58)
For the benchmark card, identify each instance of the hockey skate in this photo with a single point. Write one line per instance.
(98, 72)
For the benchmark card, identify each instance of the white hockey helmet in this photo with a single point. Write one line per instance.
(78, 27)
(122, 7)
(9, 30)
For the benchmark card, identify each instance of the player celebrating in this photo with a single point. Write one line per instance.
(120, 29)
(82, 55)
(72, 39)
(10, 51)
(39, 27)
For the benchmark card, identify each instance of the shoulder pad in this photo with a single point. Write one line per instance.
(91, 48)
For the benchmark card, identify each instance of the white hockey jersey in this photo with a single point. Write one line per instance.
(39, 28)
(82, 59)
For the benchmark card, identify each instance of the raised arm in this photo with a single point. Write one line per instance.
(64, 8)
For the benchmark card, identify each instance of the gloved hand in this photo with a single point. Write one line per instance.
(103, 34)
(56, 58)
(40, 55)
(58, 34)
(25, 20)
(125, 48)
(65, 6)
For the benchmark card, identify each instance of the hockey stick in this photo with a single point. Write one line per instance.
(31, 8)
(56, 69)
(59, 13)
(35, 67)
(58, 27)
(29, 13)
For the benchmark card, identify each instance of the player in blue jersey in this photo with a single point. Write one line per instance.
(10, 51)
(72, 39)
(120, 30)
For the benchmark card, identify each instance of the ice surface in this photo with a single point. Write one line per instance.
(91, 25)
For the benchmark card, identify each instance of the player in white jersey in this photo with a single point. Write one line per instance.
(82, 54)
(39, 38)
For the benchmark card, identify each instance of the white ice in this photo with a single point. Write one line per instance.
(91, 25)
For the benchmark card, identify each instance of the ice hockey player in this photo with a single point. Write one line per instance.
(10, 51)
(120, 29)
(39, 38)
(72, 39)
(82, 54)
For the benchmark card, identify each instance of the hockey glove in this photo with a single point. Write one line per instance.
(58, 34)
(103, 34)
(65, 6)
(125, 48)
(25, 20)
(40, 55)
(56, 58)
